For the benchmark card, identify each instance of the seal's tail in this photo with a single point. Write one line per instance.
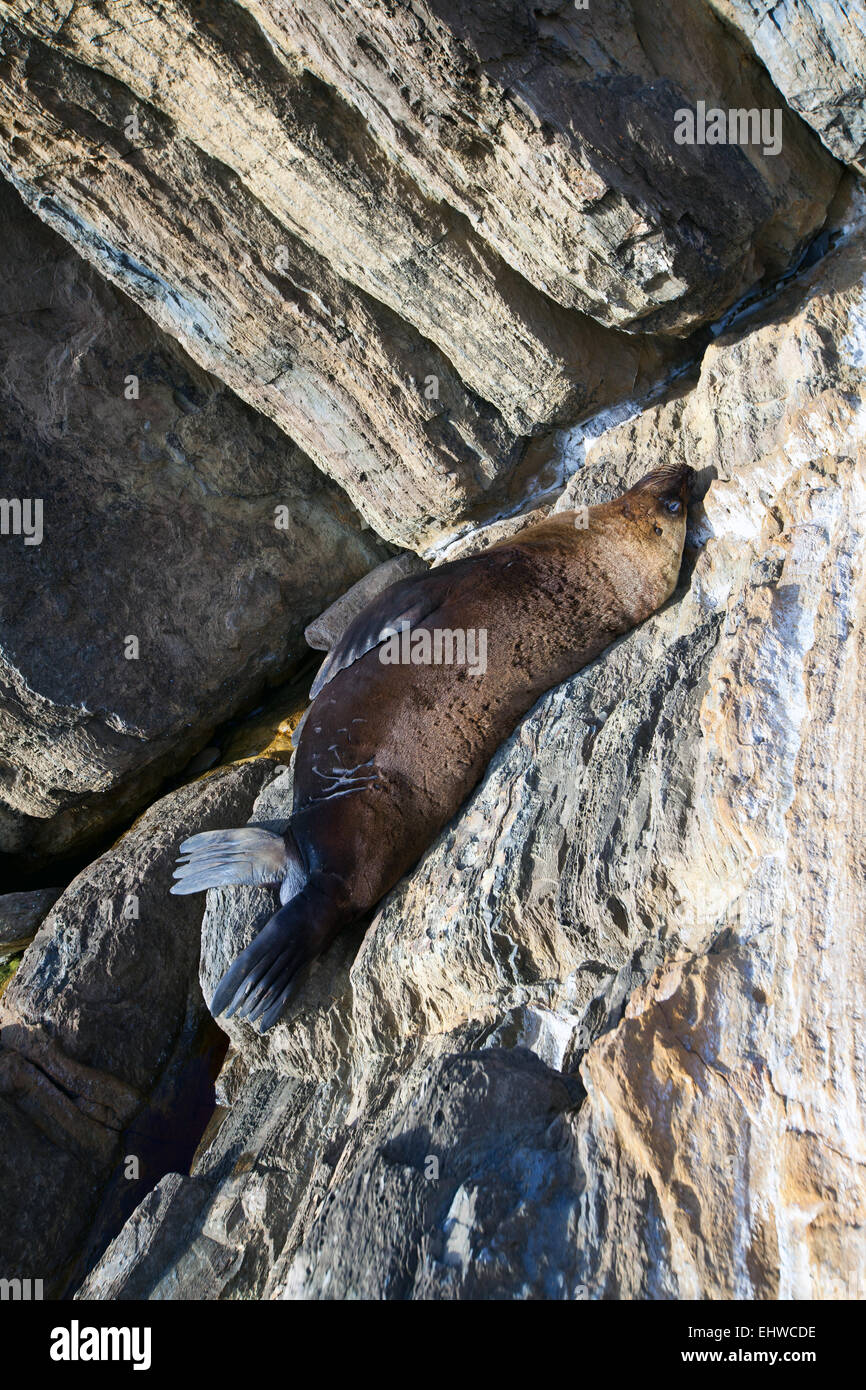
(262, 979)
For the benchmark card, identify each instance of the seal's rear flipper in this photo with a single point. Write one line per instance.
(259, 983)
(217, 858)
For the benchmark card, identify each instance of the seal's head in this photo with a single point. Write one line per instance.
(641, 535)
(655, 509)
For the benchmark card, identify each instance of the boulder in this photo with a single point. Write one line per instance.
(307, 156)
(182, 545)
(107, 1052)
(20, 915)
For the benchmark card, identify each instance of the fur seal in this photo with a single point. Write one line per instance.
(390, 749)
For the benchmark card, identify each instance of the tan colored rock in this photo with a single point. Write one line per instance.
(20, 915)
(730, 1103)
(375, 405)
(408, 227)
(305, 155)
(338, 372)
(551, 130)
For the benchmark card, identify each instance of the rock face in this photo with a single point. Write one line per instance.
(416, 231)
(815, 52)
(161, 587)
(107, 1052)
(376, 405)
(603, 1041)
(308, 159)
(551, 130)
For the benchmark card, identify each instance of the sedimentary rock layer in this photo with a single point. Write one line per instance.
(309, 159)
(183, 543)
(377, 406)
(815, 52)
(552, 130)
(339, 264)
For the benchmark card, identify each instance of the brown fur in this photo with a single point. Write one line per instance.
(551, 600)
(389, 752)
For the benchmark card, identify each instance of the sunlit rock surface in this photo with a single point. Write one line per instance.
(604, 1041)
(815, 52)
(550, 129)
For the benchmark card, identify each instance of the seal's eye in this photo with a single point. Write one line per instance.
(672, 505)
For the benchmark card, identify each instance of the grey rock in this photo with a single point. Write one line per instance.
(20, 916)
(151, 1242)
(475, 1130)
(159, 525)
(327, 629)
(417, 232)
(551, 130)
(107, 1052)
(815, 52)
(309, 158)
(375, 404)
(470, 1194)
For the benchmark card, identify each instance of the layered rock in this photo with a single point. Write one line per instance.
(815, 52)
(376, 405)
(655, 891)
(602, 1041)
(414, 230)
(162, 548)
(552, 130)
(309, 160)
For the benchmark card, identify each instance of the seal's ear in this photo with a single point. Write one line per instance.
(626, 509)
(670, 480)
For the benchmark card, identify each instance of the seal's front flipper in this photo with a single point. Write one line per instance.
(260, 982)
(218, 858)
